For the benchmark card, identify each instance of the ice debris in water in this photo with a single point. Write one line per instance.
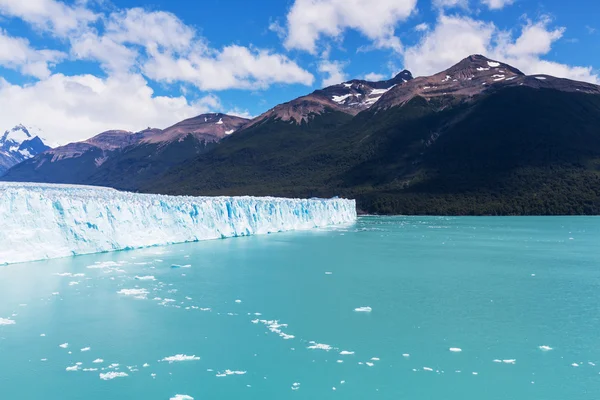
(112, 375)
(181, 397)
(319, 346)
(545, 348)
(455, 349)
(363, 309)
(7, 321)
(83, 220)
(180, 357)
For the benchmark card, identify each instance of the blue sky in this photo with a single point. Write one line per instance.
(77, 67)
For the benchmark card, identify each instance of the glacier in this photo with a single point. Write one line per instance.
(43, 221)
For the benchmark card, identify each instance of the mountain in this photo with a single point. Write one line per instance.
(18, 144)
(480, 138)
(121, 158)
(349, 98)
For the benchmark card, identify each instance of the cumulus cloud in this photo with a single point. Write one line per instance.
(309, 20)
(49, 15)
(497, 4)
(456, 37)
(71, 108)
(233, 67)
(16, 53)
(333, 71)
(375, 77)
(451, 3)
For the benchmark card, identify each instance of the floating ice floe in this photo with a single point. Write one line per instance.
(136, 293)
(455, 349)
(295, 386)
(112, 375)
(363, 309)
(145, 278)
(370, 364)
(545, 348)
(405, 355)
(230, 372)
(64, 345)
(98, 361)
(7, 321)
(73, 368)
(86, 349)
(319, 346)
(179, 358)
(181, 397)
(346, 353)
(275, 327)
(69, 274)
(238, 301)
(427, 369)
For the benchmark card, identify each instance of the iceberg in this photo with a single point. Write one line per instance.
(43, 221)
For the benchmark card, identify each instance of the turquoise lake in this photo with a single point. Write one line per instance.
(460, 308)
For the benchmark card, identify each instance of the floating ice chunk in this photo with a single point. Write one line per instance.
(179, 358)
(98, 361)
(136, 293)
(511, 361)
(112, 375)
(86, 349)
(319, 346)
(493, 64)
(90, 369)
(238, 301)
(7, 321)
(69, 274)
(181, 266)
(346, 353)
(181, 397)
(370, 364)
(340, 361)
(145, 278)
(295, 386)
(43, 335)
(363, 309)
(406, 355)
(575, 365)
(455, 349)
(545, 348)
(73, 283)
(375, 359)
(64, 345)
(427, 369)
(44, 359)
(73, 368)
(328, 273)
(475, 373)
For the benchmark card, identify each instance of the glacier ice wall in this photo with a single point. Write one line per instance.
(39, 221)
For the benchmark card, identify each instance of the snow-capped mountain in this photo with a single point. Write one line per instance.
(19, 144)
(349, 97)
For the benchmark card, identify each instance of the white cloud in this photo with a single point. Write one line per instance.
(422, 27)
(233, 67)
(334, 72)
(113, 56)
(16, 53)
(451, 3)
(309, 20)
(497, 4)
(452, 39)
(49, 15)
(375, 77)
(72, 108)
(455, 37)
(154, 29)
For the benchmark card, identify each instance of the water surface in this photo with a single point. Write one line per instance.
(516, 299)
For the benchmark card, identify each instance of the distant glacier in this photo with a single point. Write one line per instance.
(42, 221)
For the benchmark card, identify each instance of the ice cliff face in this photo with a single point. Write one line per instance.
(39, 221)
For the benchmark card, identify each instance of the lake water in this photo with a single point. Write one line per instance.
(516, 299)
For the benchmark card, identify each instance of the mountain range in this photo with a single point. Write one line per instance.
(478, 138)
(19, 144)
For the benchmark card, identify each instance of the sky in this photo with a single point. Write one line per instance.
(75, 68)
